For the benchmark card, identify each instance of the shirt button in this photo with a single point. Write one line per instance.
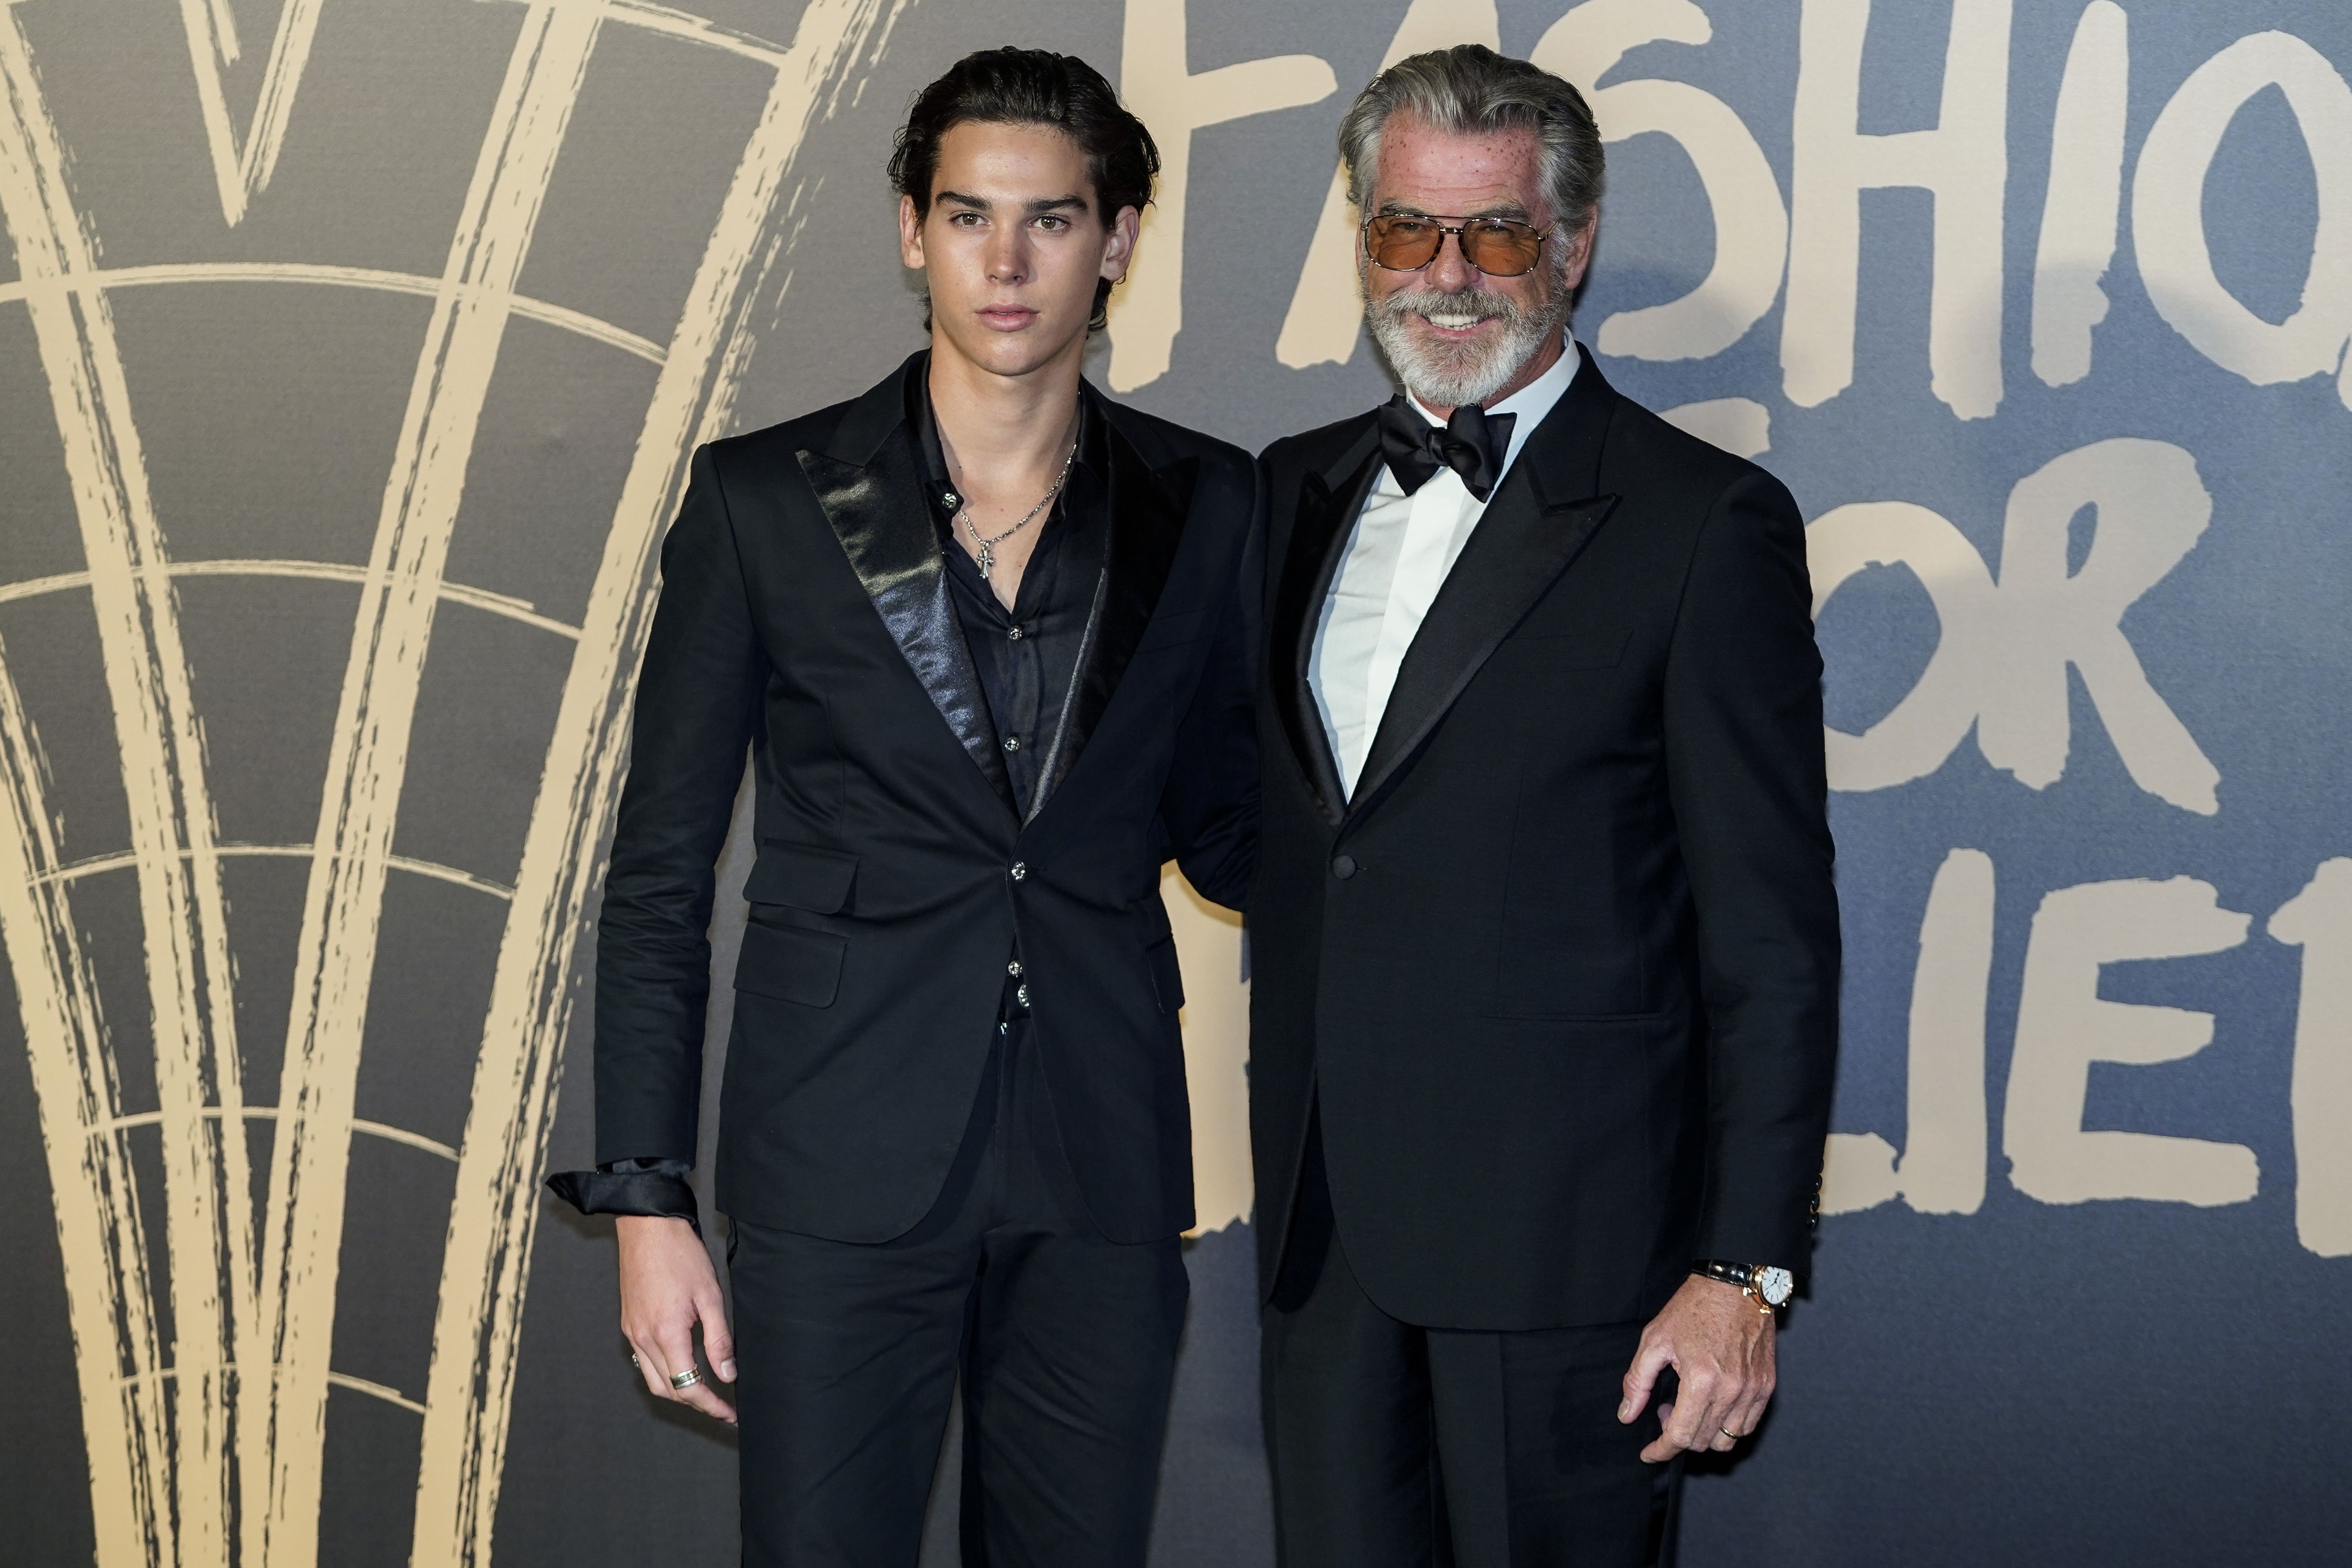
(1344, 866)
(1012, 743)
(1021, 994)
(1013, 969)
(1016, 633)
(1019, 869)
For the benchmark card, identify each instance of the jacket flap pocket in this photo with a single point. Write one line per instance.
(1167, 975)
(802, 966)
(801, 877)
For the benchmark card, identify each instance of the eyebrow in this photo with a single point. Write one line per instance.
(1512, 210)
(1041, 206)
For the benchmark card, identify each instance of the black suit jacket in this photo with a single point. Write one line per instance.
(805, 615)
(1563, 972)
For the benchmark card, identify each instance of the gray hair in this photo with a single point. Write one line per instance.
(1469, 90)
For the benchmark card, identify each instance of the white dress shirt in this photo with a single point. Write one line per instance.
(1398, 556)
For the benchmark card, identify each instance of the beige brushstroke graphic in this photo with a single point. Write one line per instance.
(504, 606)
(100, 1237)
(208, 1241)
(485, 1263)
(113, 278)
(162, 1493)
(242, 170)
(336, 953)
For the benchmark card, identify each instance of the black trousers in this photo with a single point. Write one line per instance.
(1393, 1446)
(847, 1355)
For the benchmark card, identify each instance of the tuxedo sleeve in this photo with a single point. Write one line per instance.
(697, 709)
(1209, 807)
(1749, 792)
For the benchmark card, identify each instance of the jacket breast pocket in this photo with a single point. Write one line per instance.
(1167, 975)
(801, 877)
(790, 965)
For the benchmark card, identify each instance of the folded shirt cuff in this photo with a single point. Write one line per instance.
(653, 1188)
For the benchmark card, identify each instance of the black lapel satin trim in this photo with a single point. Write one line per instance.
(1529, 534)
(879, 513)
(1148, 511)
(1328, 502)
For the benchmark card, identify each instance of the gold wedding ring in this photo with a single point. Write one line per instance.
(1728, 1433)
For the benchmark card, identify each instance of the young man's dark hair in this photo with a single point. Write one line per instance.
(1032, 87)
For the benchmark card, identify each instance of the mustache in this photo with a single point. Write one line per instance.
(1455, 302)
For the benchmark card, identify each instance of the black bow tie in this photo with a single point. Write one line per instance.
(1472, 444)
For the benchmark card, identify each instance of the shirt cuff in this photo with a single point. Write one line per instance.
(653, 1188)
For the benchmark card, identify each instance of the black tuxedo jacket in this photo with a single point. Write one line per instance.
(1563, 972)
(805, 615)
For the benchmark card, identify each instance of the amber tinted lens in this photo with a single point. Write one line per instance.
(1499, 247)
(1403, 243)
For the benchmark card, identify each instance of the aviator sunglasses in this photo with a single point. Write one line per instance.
(1497, 246)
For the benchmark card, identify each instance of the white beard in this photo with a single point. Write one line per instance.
(1451, 374)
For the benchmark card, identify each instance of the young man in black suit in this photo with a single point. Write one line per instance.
(980, 630)
(1546, 947)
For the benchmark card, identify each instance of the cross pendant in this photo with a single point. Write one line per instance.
(987, 558)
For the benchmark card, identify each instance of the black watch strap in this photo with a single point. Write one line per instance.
(1740, 1274)
(1760, 1280)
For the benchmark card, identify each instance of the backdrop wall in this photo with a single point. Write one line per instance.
(349, 355)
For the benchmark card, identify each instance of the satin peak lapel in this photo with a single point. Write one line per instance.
(1328, 500)
(1148, 511)
(877, 510)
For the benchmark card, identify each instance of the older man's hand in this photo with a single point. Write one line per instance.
(1719, 1343)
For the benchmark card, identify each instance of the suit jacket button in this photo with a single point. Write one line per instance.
(1344, 866)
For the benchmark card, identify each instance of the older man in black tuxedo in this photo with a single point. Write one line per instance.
(1546, 944)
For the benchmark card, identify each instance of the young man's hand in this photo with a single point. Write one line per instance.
(667, 1285)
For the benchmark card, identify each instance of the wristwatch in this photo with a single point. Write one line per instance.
(1770, 1288)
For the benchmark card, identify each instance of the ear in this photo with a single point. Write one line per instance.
(1118, 251)
(910, 234)
(1578, 246)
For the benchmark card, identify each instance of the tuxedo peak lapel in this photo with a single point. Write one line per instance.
(1540, 520)
(1329, 500)
(878, 512)
(1148, 511)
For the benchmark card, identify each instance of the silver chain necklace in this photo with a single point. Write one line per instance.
(986, 548)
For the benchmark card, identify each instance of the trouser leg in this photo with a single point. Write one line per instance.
(1397, 1447)
(1537, 1471)
(1347, 1411)
(847, 1357)
(1067, 1375)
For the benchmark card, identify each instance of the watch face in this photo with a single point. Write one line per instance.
(1776, 1286)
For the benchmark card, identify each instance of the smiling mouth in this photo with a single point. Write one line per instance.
(1448, 321)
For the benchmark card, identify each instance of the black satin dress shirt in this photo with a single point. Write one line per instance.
(1028, 658)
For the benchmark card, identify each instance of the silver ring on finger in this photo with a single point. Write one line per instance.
(685, 1380)
(633, 1361)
